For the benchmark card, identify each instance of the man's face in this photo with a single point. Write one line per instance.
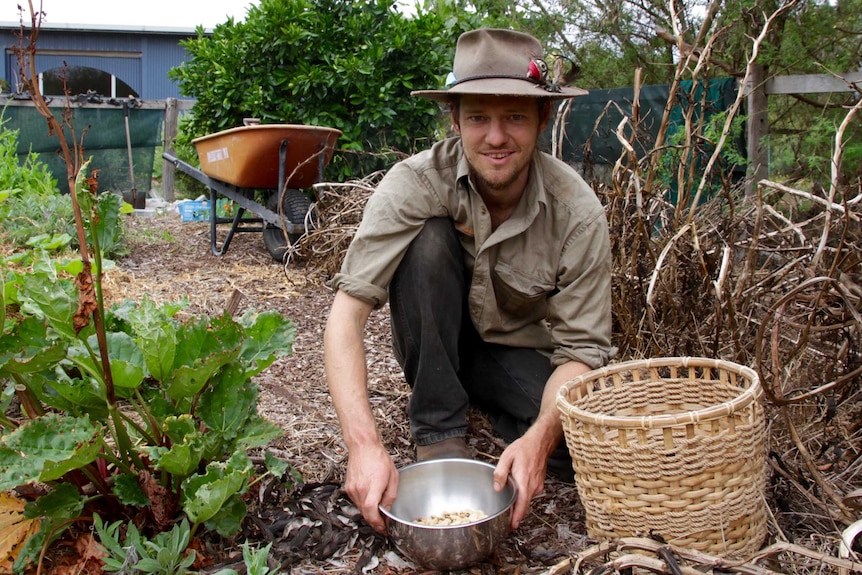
(499, 134)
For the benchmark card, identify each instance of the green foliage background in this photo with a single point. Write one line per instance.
(348, 65)
(33, 212)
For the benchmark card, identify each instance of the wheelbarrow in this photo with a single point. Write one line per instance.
(269, 161)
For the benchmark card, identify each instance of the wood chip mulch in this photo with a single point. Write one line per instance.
(313, 526)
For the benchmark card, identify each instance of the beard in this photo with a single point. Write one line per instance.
(496, 185)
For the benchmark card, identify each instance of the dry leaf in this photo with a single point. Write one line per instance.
(87, 559)
(15, 529)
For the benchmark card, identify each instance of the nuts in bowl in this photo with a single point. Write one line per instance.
(453, 518)
(447, 514)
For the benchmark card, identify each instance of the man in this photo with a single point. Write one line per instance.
(495, 259)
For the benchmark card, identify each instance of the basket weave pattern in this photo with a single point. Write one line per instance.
(670, 446)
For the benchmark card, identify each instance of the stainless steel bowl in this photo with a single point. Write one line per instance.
(443, 486)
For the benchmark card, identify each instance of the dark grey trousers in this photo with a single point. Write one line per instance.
(446, 364)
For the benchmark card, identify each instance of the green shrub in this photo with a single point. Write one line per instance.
(348, 65)
(32, 204)
(31, 174)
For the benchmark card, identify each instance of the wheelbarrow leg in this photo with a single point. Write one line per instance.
(216, 250)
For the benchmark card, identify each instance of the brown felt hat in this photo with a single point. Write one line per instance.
(495, 62)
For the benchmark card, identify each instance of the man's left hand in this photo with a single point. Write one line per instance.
(526, 461)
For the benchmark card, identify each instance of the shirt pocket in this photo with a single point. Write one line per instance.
(520, 294)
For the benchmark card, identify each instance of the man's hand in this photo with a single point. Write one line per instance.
(525, 461)
(371, 481)
(371, 478)
(527, 457)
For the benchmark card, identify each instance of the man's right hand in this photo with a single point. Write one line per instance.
(371, 481)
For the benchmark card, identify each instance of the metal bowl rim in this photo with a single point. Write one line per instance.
(505, 509)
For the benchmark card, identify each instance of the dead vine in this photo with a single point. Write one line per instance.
(658, 557)
(331, 223)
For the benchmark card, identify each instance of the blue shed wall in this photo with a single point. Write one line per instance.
(139, 57)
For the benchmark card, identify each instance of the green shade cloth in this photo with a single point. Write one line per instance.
(104, 138)
(592, 122)
(585, 121)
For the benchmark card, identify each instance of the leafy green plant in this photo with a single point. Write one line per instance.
(165, 554)
(153, 416)
(254, 560)
(166, 429)
(31, 205)
(32, 201)
(28, 173)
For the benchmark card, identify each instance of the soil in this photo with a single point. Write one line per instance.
(311, 524)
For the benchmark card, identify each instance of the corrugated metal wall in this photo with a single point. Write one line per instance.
(140, 58)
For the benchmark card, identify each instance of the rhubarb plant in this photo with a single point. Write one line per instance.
(139, 414)
(128, 412)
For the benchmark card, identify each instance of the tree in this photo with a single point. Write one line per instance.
(346, 64)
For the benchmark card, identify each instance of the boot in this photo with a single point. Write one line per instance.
(452, 448)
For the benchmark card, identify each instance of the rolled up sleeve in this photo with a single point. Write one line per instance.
(393, 217)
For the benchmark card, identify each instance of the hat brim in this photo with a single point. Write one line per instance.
(500, 87)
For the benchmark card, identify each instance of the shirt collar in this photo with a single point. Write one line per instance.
(463, 169)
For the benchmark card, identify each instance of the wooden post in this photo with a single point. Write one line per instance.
(171, 121)
(758, 130)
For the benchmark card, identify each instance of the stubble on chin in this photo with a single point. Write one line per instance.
(493, 185)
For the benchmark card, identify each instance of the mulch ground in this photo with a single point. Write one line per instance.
(312, 525)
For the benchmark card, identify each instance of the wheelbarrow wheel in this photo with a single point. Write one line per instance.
(295, 206)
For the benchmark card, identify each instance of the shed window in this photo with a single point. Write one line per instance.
(83, 80)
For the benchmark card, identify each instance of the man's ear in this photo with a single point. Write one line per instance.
(453, 115)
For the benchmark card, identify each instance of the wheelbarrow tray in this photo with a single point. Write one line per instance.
(248, 156)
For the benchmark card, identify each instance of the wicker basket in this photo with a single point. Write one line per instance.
(671, 447)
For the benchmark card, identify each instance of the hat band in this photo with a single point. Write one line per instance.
(544, 84)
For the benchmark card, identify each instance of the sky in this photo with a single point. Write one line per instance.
(148, 13)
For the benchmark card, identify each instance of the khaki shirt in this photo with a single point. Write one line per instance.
(540, 280)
